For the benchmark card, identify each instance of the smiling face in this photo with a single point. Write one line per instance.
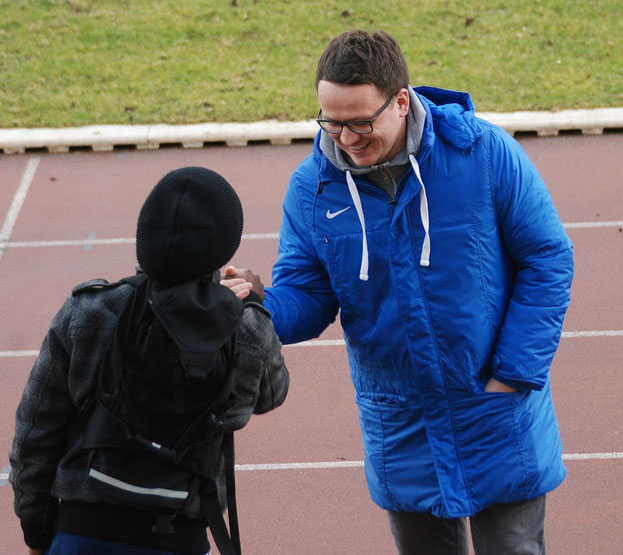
(361, 102)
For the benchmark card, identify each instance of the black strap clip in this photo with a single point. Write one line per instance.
(163, 523)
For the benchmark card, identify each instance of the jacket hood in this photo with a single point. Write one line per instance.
(450, 115)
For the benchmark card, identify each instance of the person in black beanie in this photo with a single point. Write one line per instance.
(189, 227)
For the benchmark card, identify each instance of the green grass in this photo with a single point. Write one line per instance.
(78, 62)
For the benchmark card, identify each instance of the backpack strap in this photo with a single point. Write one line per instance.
(135, 280)
(230, 481)
(101, 283)
(230, 472)
(228, 542)
(98, 283)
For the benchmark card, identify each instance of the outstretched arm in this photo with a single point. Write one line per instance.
(262, 379)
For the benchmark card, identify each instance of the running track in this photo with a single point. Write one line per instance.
(69, 217)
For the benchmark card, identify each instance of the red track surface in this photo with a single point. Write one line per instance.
(92, 196)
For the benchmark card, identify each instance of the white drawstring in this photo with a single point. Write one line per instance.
(425, 256)
(354, 193)
(352, 188)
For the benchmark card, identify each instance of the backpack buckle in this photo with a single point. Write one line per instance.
(164, 523)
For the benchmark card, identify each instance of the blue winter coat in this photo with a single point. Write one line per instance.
(423, 340)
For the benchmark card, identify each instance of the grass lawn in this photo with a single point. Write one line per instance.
(81, 62)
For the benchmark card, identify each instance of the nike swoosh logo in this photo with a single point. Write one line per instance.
(332, 215)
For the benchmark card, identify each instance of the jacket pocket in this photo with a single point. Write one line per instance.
(489, 433)
(399, 466)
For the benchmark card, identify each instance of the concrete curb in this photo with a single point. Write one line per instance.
(149, 137)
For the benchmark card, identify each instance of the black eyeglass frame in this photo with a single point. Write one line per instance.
(348, 124)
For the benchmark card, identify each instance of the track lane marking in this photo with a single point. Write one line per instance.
(323, 465)
(341, 342)
(330, 465)
(89, 241)
(18, 201)
(565, 335)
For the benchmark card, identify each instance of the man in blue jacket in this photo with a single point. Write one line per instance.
(435, 237)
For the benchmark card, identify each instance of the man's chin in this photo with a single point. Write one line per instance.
(363, 158)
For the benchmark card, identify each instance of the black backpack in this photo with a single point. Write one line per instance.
(155, 430)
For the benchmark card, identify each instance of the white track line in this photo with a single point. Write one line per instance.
(329, 465)
(18, 354)
(591, 456)
(355, 464)
(88, 242)
(69, 243)
(18, 202)
(565, 335)
(298, 466)
(587, 225)
(341, 342)
(601, 333)
(318, 343)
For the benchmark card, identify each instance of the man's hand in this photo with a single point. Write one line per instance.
(231, 275)
(494, 386)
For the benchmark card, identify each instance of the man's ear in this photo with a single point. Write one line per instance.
(402, 101)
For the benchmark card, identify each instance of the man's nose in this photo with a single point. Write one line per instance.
(348, 137)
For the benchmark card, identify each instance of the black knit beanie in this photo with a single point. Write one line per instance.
(189, 226)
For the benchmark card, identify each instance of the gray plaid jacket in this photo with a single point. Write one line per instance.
(47, 463)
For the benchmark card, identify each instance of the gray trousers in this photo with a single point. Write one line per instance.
(505, 529)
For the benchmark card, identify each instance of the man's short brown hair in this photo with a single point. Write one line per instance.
(358, 57)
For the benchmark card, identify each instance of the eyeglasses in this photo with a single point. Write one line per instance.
(361, 127)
